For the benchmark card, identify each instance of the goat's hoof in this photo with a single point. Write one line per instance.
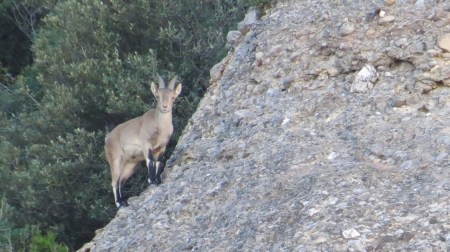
(121, 204)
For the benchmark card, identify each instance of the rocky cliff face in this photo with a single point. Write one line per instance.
(326, 128)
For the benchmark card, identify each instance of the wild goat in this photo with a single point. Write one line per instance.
(142, 138)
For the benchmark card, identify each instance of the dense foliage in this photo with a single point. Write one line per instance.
(70, 67)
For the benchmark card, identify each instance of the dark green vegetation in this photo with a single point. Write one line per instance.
(68, 68)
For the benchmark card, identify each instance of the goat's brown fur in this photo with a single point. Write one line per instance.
(142, 138)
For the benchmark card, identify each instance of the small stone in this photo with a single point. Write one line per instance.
(346, 29)
(427, 249)
(406, 165)
(272, 91)
(447, 237)
(287, 80)
(216, 71)
(419, 2)
(325, 34)
(386, 20)
(345, 46)
(233, 37)
(382, 13)
(389, 2)
(295, 56)
(441, 156)
(333, 71)
(341, 205)
(371, 15)
(355, 245)
(376, 149)
(406, 236)
(444, 42)
(241, 114)
(218, 129)
(370, 32)
(364, 79)
(332, 200)
(446, 82)
(358, 191)
(399, 233)
(350, 233)
(413, 99)
(422, 87)
(332, 156)
(259, 89)
(433, 53)
(249, 20)
(274, 50)
(320, 240)
(313, 211)
(434, 220)
(388, 238)
(418, 47)
(440, 15)
(259, 55)
(401, 42)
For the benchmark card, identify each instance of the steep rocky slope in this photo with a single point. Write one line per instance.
(326, 128)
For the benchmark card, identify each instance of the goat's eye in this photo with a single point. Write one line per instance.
(157, 96)
(173, 98)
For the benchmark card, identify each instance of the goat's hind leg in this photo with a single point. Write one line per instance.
(118, 193)
(126, 172)
(116, 180)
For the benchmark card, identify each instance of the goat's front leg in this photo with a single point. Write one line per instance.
(151, 168)
(159, 167)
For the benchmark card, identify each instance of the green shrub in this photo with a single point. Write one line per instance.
(46, 243)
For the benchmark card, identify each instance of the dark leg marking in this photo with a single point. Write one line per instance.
(151, 168)
(160, 168)
(120, 201)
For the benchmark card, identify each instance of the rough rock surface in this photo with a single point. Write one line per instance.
(282, 156)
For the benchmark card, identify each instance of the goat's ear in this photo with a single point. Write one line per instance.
(153, 88)
(178, 89)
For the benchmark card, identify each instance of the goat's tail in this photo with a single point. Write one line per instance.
(109, 127)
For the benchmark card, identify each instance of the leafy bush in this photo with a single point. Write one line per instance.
(11, 238)
(46, 243)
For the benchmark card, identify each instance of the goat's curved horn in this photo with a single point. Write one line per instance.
(172, 83)
(160, 81)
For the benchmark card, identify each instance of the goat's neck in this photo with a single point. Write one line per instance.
(163, 119)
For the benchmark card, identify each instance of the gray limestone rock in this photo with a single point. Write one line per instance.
(311, 166)
(250, 19)
(365, 79)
